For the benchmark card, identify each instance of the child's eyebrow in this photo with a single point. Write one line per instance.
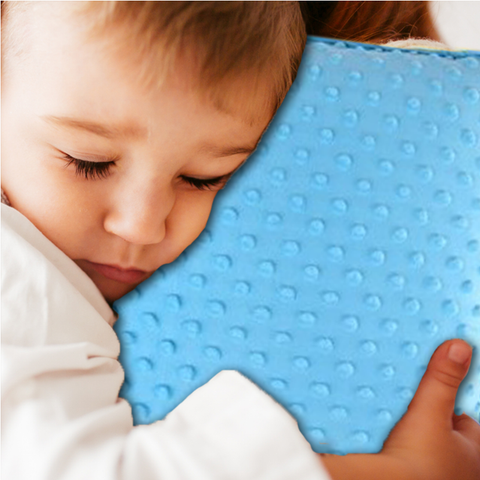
(228, 151)
(134, 131)
(96, 128)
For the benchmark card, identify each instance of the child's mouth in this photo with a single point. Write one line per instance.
(118, 274)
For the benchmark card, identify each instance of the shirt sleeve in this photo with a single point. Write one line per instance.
(61, 415)
(418, 43)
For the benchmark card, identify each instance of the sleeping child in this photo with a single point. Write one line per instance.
(120, 123)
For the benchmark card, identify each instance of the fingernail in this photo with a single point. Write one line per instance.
(459, 353)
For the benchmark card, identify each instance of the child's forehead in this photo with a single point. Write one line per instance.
(246, 93)
(242, 94)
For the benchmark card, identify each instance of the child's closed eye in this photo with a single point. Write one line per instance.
(206, 183)
(97, 170)
(90, 170)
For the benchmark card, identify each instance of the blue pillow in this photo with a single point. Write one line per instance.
(337, 259)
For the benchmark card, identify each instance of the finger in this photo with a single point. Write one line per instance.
(436, 393)
(468, 427)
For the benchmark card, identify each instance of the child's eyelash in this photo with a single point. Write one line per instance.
(92, 170)
(205, 184)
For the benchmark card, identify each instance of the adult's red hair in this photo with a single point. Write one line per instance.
(369, 22)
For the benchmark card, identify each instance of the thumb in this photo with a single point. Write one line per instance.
(436, 393)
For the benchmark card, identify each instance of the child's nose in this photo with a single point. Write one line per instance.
(138, 213)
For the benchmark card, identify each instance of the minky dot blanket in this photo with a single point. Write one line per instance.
(337, 259)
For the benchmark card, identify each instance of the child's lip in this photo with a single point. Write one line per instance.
(114, 272)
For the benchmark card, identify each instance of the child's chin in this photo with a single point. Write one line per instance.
(119, 291)
(113, 290)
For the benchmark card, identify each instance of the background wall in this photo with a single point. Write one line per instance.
(458, 23)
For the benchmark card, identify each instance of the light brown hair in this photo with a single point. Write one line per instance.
(261, 41)
(257, 43)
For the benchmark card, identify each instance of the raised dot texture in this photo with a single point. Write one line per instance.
(229, 215)
(252, 197)
(345, 369)
(187, 373)
(339, 413)
(262, 314)
(222, 262)
(213, 353)
(163, 392)
(238, 333)
(242, 288)
(167, 347)
(197, 280)
(283, 338)
(368, 347)
(144, 364)
(320, 390)
(128, 338)
(307, 319)
(325, 345)
(258, 358)
(301, 363)
(216, 308)
(278, 384)
(336, 260)
(192, 328)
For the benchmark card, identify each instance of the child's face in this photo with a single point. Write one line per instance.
(68, 97)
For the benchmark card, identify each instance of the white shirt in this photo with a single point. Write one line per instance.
(61, 415)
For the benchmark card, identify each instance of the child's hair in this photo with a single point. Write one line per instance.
(251, 41)
(257, 42)
(369, 22)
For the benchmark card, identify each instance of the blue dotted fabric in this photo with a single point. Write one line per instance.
(337, 259)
